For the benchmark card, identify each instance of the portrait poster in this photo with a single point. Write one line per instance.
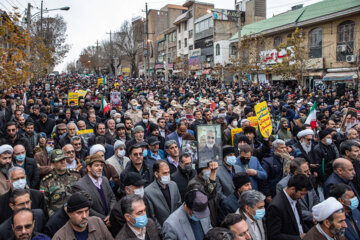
(115, 99)
(190, 147)
(209, 144)
(350, 119)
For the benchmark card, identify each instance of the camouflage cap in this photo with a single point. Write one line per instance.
(57, 155)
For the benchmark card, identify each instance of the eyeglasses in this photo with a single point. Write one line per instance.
(51, 143)
(20, 228)
(68, 152)
(209, 137)
(308, 139)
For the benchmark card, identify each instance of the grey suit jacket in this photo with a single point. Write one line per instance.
(159, 209)
(177, 226)
(88, 186)
(251, 231)
(306, 203)
(224, 183)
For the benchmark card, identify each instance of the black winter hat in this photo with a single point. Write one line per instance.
(325, 132)
(77, 201)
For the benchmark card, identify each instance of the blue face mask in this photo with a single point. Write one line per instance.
(49, 149)
(20, 158)
(206, 174)
(194, 218)
(231, 160)
(141, 221)
(260, 213)
(354, 203)
(19, 184)
(145, 153)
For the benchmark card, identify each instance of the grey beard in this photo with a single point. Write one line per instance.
(5, 168)
(306, 148)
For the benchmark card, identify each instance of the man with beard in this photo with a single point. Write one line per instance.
(181, 129)
(98, 188)
(351, 151)
(80, 225)
(71, 160)
(70, 132)
(304, 146)
(331, 221)
(30, 134)
(209, 152)
(6, 152)
(13, 138)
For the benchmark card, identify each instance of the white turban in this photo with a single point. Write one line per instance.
(304, 133)
(326, 208)
(95, 148)
(5, 148)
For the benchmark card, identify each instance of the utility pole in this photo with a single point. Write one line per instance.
(41, 19)
(147, 42)
(166, 58)
(97, 56)
(111, 54)
(28, 22)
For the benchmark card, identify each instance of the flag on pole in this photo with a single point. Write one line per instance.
(311, 119)
(104, 106)
(25, 98)
(104, 81)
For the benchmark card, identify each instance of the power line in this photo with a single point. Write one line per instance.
(20, 4)
(35, 5)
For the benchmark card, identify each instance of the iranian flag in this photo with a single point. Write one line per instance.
(25, 98)
(311, 119)
(104, 106)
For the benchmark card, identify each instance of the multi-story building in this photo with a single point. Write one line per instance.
(138, 25)
(332, 39)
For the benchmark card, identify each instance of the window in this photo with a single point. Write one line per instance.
(185, 26)
(217, 49)
(179, 28)
(191, 47)
(277, 41)
(315, 43)
(190, 34)
(179, 44)
(345, 40)
(185, 42)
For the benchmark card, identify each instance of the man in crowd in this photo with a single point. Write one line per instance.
(237, 225)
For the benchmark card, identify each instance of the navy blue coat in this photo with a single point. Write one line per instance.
(229, 205)
(274, 169)
(335, 179)
(350, 232)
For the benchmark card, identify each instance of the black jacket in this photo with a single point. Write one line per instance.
(280, 219)
(324, 155)
(37, 201)
(182, 180)
(55, 222)
(46, 127)
(32, 173)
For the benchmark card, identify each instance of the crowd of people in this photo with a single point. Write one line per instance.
(73, 170)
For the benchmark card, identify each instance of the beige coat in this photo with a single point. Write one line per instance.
(4, 185)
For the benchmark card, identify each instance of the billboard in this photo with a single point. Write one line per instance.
(225, 15)
(195, 59)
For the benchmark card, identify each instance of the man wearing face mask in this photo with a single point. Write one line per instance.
(324, 154)
(163, 194)
(138, 225)
(29, 164)
(252, 208)
(225, 173)
(133, 184)
(331, 221)
(118, 160)
(250, 165)
(233, 123)
(344, 194)
(183, 174)
(133, 113)
(191, 220)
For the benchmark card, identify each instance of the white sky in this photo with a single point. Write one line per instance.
(90, 20)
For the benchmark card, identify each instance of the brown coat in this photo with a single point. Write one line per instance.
(4, 184)
(43, 160)
(127, 234)
(314, 234)
(96, 228)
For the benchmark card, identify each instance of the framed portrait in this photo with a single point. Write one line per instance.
(209, 144)
(115, 99)
(190, 147)
(350, 119)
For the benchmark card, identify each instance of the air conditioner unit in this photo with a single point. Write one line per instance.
(350, 58)
(341, 48)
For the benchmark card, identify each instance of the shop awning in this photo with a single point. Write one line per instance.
(340, 76)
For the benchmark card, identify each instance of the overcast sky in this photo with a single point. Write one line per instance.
(90, 20)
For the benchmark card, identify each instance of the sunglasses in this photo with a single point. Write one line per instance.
(68, 152)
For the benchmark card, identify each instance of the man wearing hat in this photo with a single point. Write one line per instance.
(133, 113)
(80, 225)
(45, 124)
(225, 173)
(330, 217)
(325, 153)
(118, 160)
(154, 153)
(154, 114)
(134, 184)
(6, 152)
(191, 220)
(138, 136)
(121, 133)
(57, 185)
(98, 188)
(303, 148)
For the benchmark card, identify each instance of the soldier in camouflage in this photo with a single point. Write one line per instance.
(56, 186)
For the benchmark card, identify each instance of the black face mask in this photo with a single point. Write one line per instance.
(187, 168)
(244, 160)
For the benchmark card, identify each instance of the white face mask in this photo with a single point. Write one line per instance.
(328, 141)
(165, 180)
(121, 153)
(139, 191)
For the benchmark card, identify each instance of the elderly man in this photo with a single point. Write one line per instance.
(70, 132)
(161, 191)
(252, 208)
(71, 160)
(191, 220)
(331, 221)
(172, 150)
(29, 164)
(237, 225)
(273, 166)
(80, 225)
(98, 187)
(111, 131)
(225, 173)
(343, 173)
(6, 152)
(137, 222)
(79, 147)
(303, 148)
(118, 160)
